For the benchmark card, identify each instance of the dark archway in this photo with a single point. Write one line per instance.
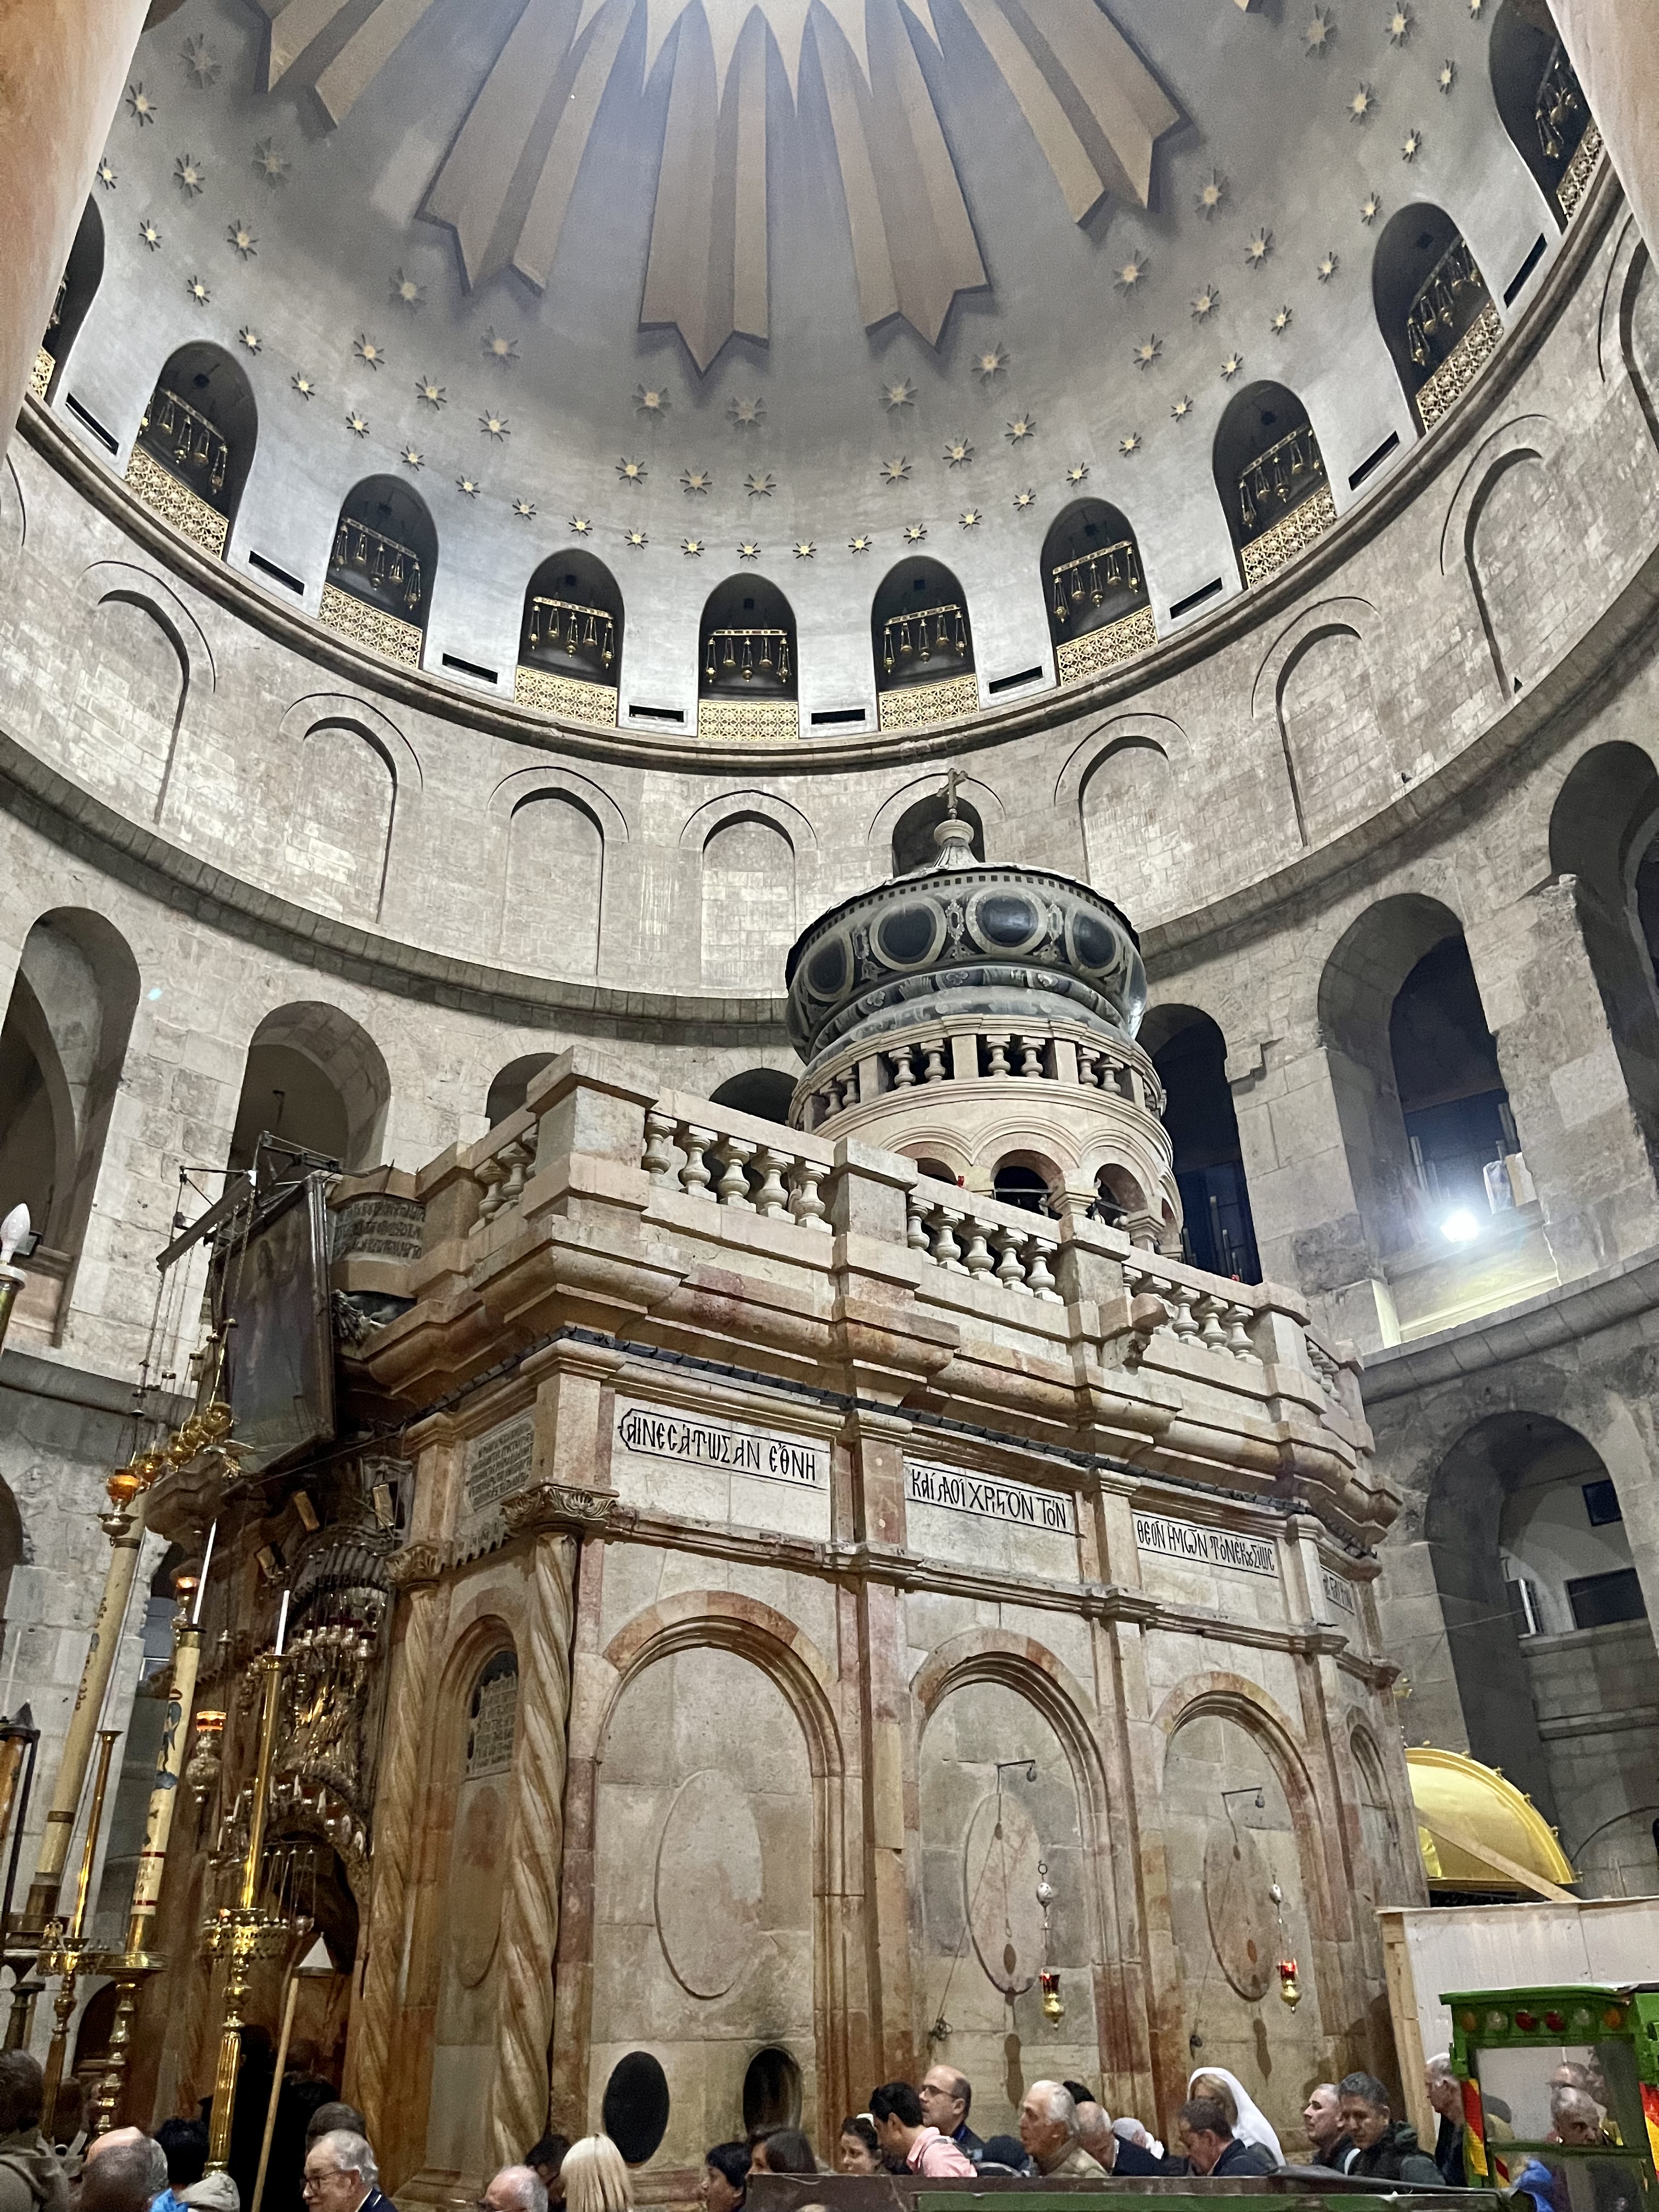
(1270, 475)
(570, 640)
(748, 679)
(913, 843)
(1604, 831)
(765, 1092)
(508, 1090)
(923, 644)
(314, 1081)
(82, 274)
(1541, 102)
(197, 438)
(385, 554)
(1190, 1055)
(1433, 306)
(1096, 589)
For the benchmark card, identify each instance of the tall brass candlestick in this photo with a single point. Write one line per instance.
(131, 1965)
(123, 1524)
(243, 1932)
(62, 1950)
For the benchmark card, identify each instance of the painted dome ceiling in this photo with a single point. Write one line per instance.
(813, 278)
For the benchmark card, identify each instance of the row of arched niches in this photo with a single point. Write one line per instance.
(1432, 302)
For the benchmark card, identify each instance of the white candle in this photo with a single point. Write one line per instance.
(201, 1586)
(281, 1625)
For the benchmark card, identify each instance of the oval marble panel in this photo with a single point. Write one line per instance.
(708, 1885)
(1000, 1859)
(475, 1890)
(1244, 1925)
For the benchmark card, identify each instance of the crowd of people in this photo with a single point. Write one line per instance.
(1064, 2131)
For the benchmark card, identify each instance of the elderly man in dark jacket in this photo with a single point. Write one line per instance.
(1212, 2148)
(1387, 2148)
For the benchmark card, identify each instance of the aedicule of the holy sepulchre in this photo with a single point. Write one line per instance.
(829, 1224)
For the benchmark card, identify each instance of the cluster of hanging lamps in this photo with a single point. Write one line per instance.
(384, 563)
(1435, 308)
(195, 443)
(1273, 474)
(743, 654)
(563, 626)
(921, 635)
(1091, 575)
(1559, 102)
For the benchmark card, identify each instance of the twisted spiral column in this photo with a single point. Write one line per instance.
(414, 1570)
(529, 1906)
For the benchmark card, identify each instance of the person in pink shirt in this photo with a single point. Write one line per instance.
(906, 2139)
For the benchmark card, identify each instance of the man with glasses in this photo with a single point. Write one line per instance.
(342, 2176)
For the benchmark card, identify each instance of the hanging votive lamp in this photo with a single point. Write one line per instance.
(1290, 1990)
(1054, 2005)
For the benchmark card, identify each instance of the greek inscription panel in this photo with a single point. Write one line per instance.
(387, 1227)
(987, 1498)
(695, 1440)
(1209, 1547)
(498, 1462)
(1338, 1593)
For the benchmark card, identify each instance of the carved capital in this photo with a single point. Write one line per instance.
(556, 1505)
(416, 1565)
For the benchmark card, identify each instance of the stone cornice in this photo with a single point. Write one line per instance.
(548, 1505)
(1566, 1315)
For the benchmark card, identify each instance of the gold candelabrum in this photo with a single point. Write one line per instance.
(64, 1949)
(132, 1965)
(246, 1930)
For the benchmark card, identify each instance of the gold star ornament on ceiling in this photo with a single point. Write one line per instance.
(632, 473)
(635, 540)
(901, 394)
(525, 509)
(506, 187)
(368, 350)
(469, 487)
(412, 457)
(358, 424)
(198, 290)
(1022, 427)
(189, 175)
(243, 240)
(140, 106)
(494, 426)
(1410, 145)
(304, 384)
(748, 549)
(107, 176)
(970, 518)
(1024, 500)
(760, 484)
(1446, 76)
(1205, 302)
(271, 164)
(1148, 351)
(745, 413)
(501, 350)
(249, 338)
(201, 61)
(1320, 33)
(1400, 23)
(1362, 103)
(896, 470)
(1130, 273)
(651, 399)
(861, 543)
(1129, 445)
(1281, 321)
(958, 451)
(1078, 473)
(915, 533)
(1328, 264)
(1257, 248)
(1211, 194)
(1369, 208)
(430, 394)
(987, 365)
(405, 292)
(692, 548)
(582, 525)
(1182, 409)
(805, 549)
(695, 480)
(1230, 366)
(150, 234)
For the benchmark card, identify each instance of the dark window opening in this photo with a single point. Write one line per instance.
(1218, 1231)
(1602, 1503)
(1600, 1601)
(1451, 1089)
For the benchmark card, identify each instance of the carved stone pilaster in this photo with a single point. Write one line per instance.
(530, 1909)
(415, 1567)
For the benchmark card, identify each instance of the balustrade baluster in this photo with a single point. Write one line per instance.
(1186, 1298)
(694, 1175)
(1038, 1278)
(1088, 1065)
(804, 1200)
(904, 1075)
(946, 1250)
(915, 1226)
(935, 1070)
(658, 1145)
(1238, 1342)
(492, 1175)
(771, 1199)
(1011, 1264)
(1030, 1055)
(996, 1055)
(733, 1185)
(1209, 1317)
(977, 1259)
(516, 1157)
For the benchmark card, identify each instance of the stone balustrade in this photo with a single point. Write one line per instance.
(981, 1240)
(950, 1053)
(1178, 1303)
(500, 1164)
(704, 1150)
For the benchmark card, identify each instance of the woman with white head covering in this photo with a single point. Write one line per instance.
(1250, 2123)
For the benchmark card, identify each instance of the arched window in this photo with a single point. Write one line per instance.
(380, 570)
(512, 1085)
(765, 1092)
(314, 1081)
(1270, 475)
(924, 646)
(746, 673)
(195, 445)
(1542, 103)
(61, 1050)
(1433, 306)
(1097, 591)
(1019, 1180)
(83, 273)
(571, 641)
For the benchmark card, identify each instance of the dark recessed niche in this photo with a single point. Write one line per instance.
(656, 713)
(470, 668)
(85, 415)
(1374, 460)
(635, 2106)
(277, 575)
(1007, 682)
(1513, 287)
(771, 2092)
(1196, 598)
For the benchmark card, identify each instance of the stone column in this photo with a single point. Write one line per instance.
(66, 63)
(1579, 1134)
(1612, 47)
(370, 2075)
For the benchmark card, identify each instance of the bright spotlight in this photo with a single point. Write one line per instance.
(1459, 1227)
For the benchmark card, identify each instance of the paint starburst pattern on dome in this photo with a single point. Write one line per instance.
(505, 185)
